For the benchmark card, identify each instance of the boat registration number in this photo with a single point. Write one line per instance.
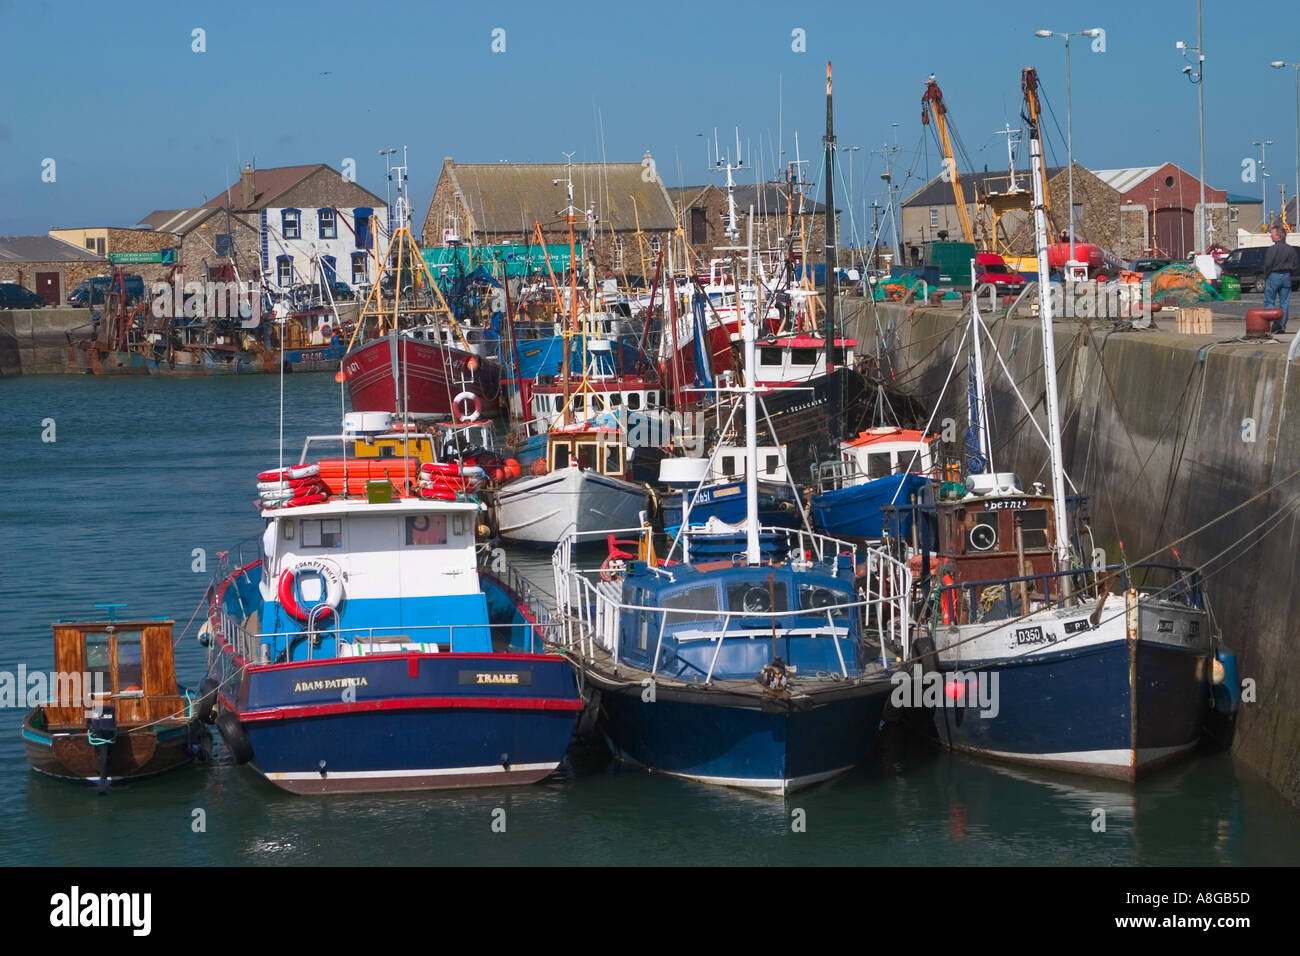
(1033, 635)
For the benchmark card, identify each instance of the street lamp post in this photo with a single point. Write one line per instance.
(1295, 190)
(1196, 77)
(1069, 130)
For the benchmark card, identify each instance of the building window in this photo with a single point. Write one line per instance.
(699, 226)
(654, 244)
(934, 219)
(223, 246)
(618, 253)
(358, 268)
(284, 270)
(1232, 213)
(328, 225)
(290, 227)
(364, 237)
(90, 244)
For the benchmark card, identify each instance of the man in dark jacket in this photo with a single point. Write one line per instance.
(1279, 263)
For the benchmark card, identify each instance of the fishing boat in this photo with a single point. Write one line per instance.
(760, 658)
(878, 467)
(114, 711)
(408, 354)
(372, 647)
(1100, 670)
(581, 483)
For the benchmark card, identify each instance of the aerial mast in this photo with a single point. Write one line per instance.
(832, 240)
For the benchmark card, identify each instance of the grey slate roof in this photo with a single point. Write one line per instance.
(767, 200)
(179, 221)
(43, 249)
(510, 197)
(937, 192)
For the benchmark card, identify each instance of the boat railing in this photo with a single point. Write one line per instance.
(366, 641)
(1045, 590)
(589, 609)
(808, 544)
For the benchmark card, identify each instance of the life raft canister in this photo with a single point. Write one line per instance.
(473, 403)
(331, 577)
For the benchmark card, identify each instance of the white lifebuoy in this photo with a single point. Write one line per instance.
(330, 576)
(475, 402)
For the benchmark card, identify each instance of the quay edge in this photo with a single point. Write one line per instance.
(1157, 425)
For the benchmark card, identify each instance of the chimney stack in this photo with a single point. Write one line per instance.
(246, 191)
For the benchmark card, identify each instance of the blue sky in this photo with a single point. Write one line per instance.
(135, 120)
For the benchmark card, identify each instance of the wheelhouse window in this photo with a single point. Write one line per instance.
(803, 356)
(560, 456)
(130, 662)
(757, 597)
(322, 533)
(771, 463)
(729, 465)
(327, 223)
(613, 460)
(769, 356)
(1033, 527)
(693, 604)
(99, 659)
(587, 454)
(880, 464)
(837, 355)
(290, 224)
(815, 597)
(634, 400)
(423, 530)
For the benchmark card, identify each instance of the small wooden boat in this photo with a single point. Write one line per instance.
(114, 711)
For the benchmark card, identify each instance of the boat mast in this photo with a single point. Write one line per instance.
(832, 241)
(1029, 85)
(573, 295)
(745, 312)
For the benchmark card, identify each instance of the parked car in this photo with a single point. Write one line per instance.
(1247, 264)
(92, 291)
(14, 296)
(1150, 264)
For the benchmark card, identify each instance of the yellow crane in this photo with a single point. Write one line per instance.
(932, 105)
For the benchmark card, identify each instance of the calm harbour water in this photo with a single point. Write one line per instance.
(144, 471)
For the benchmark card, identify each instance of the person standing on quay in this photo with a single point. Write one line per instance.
(1279, 264)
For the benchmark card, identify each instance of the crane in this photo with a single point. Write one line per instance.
(932, 104)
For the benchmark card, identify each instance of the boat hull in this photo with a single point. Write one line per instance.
(742, 739)
(395, 374)
(406, 721)
(69, 755)
(538, 511)
(1117, 705)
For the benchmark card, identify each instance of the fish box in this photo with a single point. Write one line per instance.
(1195, 321)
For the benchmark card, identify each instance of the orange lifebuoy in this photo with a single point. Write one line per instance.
(948, 603)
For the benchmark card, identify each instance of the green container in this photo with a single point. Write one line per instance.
(379, 491)
(1230, 287)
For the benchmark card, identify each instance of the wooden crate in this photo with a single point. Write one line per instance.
(1196, 321)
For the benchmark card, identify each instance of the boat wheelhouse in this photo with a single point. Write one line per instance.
(114, 711)
(372, 646)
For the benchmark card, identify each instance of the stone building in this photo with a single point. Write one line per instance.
(288, 225)
(47, 266)
(482, 204)
(111, 241)
(702, 211)
(1161, 206)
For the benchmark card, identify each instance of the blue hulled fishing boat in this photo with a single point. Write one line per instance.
(761, 659)
(367, 649)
